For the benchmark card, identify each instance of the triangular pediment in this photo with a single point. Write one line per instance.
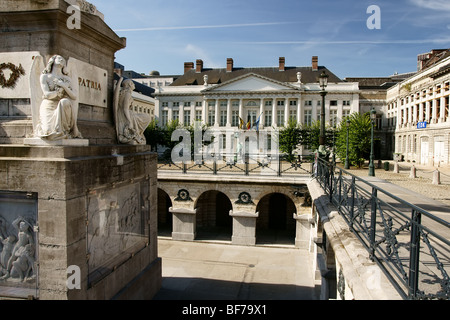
(252, 83)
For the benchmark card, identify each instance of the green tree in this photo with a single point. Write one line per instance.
(289, 139)
(310, 133)
(153, 134)
(359, 138)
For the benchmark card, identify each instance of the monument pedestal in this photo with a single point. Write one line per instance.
(93, 213)
(79, 215)
(53, 143)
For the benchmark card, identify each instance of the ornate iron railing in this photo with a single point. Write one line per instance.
(250, 165)
(409, 244)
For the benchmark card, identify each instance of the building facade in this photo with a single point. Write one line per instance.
(418, 112)
(260, 99)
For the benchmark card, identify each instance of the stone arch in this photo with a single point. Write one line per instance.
(165, 221)
(288, 192)
(213, 215)
(275, 220)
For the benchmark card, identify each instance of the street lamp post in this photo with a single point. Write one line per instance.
(373, 117)
(347, 163)
(323, 82)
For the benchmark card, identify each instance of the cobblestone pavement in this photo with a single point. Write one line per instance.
(422, 184)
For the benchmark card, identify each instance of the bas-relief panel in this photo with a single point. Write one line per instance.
(116, 227)
(18, 240)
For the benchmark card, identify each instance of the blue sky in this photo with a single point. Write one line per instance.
(163, 34)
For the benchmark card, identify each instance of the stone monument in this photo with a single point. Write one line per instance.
(78, 184)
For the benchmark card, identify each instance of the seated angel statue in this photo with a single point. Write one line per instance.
(57, 117)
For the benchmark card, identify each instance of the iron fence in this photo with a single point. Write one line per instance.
(409, 244)
(279, 166)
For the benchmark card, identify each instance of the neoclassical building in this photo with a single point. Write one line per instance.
(264, 98)
(418, 111)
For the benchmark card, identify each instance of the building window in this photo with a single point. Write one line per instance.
(175, 104)
(268, 103)
(198, 104)
(187, 118)
(268, 118)
(165, 104)
(211, 117)
(280, 118)
(251, 117)
(293, 103)
(293, 115)
(333, 118)
(164, 117)
(346, 102)
(307, 117)
(280, 103)
(198, 115)
(345, 113)
(333, 103)
(223, 118)
(234, 118)
(308, 103)
(175, 115)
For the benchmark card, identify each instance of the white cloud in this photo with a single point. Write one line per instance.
(239, 25)
(433, 4)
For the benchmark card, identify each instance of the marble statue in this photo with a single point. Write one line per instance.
(130, 124)
(54, 102)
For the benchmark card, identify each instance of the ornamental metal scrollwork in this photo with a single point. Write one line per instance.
(16, 73)
(183, 195)
(244, 198)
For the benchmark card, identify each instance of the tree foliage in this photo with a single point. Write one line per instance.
(359, 138)
(306, 135)
(162, 136)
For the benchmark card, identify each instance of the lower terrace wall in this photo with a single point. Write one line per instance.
(343, 267)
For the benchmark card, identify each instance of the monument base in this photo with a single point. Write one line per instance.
(87, 212)
(52, 143)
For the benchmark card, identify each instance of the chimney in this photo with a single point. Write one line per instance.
(315, 63)
(188, 66)
(229, 65)
(199, 66)
(281, 64)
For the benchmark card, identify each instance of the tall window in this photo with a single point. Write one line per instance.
(235, 118)
(164, 117)
(251, 117)
(175, 115)
(187, 117)
(292, 115)
(211, 117)
(280, 118)
(333, 118)
(345, 113)
(307, 118)
(198, 115)
(223, 118)
(268, 118)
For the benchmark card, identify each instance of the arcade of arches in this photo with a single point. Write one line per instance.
(240, 213)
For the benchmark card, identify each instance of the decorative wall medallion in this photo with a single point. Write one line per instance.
(183, 195)
(244, 198)
(16, 73)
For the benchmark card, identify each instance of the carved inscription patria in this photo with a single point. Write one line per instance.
(18, 240)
